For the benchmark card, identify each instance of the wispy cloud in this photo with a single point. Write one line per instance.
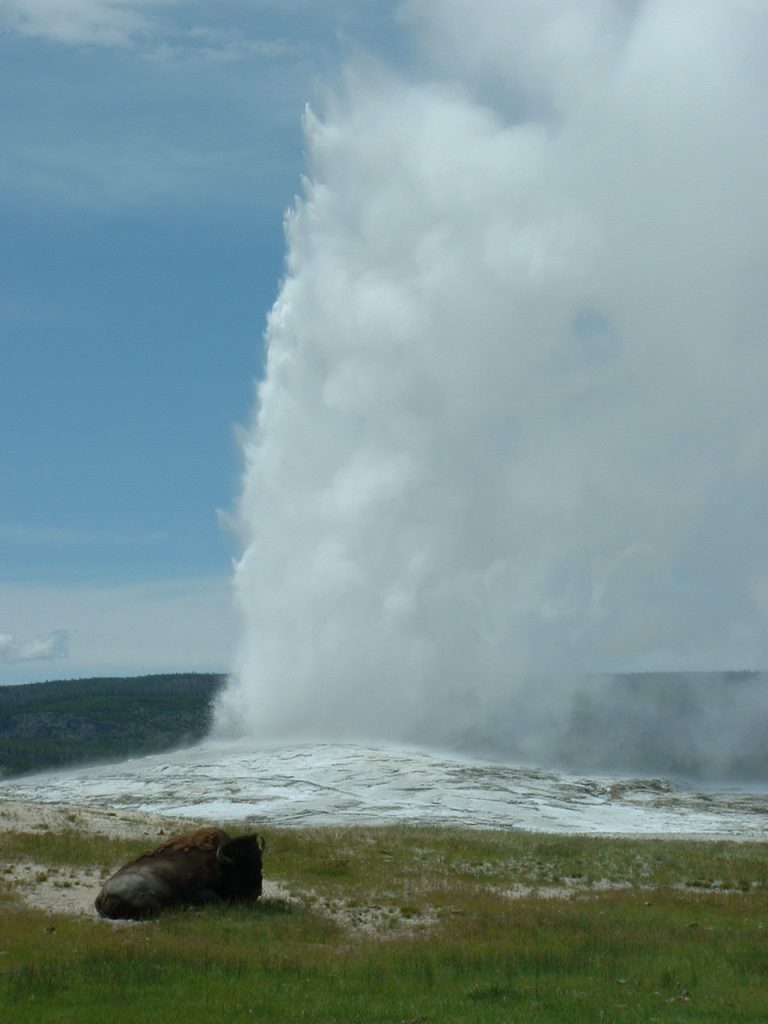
(124, 140)
(48, 647)
(204, 44)
(83, 22)
(138, 25)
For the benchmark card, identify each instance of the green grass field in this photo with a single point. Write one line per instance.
(404, 925)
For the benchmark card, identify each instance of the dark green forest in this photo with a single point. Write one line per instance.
(71, 722)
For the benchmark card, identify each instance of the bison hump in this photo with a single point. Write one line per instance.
(204, 840)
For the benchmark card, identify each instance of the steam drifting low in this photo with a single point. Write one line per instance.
(512, 431)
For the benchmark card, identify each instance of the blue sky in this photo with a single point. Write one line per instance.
(150, 150)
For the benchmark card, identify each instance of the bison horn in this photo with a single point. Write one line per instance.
(222, 857)
(262, 843)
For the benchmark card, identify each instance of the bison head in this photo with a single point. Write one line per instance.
(239, 864)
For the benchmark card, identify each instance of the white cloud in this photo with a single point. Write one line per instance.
(49, 647)
(176, 625)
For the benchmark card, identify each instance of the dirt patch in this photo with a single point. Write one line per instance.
(374, 921)
(56, 890)
(20, 816)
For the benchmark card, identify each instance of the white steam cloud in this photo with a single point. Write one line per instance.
(513, 425)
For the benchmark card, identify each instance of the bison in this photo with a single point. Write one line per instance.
(200, 867)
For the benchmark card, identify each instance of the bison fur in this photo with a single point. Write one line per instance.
(205, 866)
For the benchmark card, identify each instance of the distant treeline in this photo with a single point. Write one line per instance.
(79, 721)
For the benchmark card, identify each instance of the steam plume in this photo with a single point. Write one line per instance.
(513, 424)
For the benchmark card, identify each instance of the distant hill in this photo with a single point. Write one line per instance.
(80, 721)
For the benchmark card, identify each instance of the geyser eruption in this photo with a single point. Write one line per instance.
(512, 430)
